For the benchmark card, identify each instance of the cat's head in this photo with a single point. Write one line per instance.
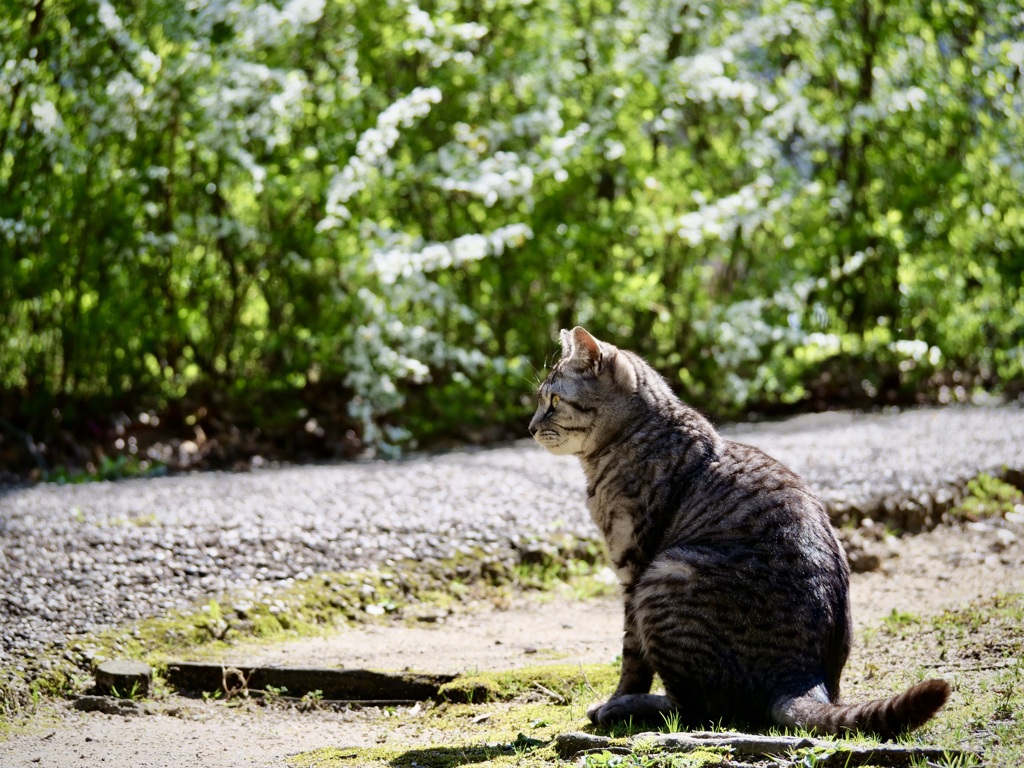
(586, 394)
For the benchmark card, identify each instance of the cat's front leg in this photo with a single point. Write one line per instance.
(632, 698)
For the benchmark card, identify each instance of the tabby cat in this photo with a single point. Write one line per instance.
(735, 585)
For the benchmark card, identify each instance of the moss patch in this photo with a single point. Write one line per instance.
(493, 754)
(515, 725)
(315, 606)
(978, 649)
(559, 684)
(989, 497)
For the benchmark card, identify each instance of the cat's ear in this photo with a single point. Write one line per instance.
(583, 348)
(565, 336)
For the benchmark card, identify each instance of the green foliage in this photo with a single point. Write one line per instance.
(989, 497)
(697, 758)
(897, 619)
(134, 693)
(109, 468)
(333, 217)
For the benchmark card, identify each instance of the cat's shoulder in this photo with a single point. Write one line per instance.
(749, 464)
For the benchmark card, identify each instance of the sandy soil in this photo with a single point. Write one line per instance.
(923, 575)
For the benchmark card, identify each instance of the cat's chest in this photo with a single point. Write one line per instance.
(616, 523)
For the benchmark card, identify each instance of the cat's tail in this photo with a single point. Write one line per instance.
(885, 717)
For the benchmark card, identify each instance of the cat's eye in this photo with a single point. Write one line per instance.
(554, 401)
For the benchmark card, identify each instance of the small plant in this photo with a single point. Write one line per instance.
(673, 723)
(621, 729)
(621, 758)
(609, 759)
(215, 623)
(950, 760)
(133, 694)
(523, 744)
(898, 618)
(1007, 688)
(272, 693)
(988, 497)
(311, 700)
(811, 757)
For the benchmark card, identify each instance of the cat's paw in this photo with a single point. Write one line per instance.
(594, 712)
(638, 706)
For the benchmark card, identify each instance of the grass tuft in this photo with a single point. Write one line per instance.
(989, 497)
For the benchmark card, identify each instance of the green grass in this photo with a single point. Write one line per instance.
(978, 649)
(514, 724)
(988, 497)
(698, 758)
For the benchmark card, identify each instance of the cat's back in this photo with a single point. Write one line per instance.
(748, 505)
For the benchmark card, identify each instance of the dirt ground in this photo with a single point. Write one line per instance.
(922, 575)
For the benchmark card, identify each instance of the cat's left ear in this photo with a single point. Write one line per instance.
(565, 337)
(584, 348)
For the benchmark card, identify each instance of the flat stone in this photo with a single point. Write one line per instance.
(569, 745)
(333, 684)
(124, 678)
(108, 705)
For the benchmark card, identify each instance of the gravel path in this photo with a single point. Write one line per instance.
(77, 558)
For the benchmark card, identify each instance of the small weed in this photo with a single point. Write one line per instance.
(988, 497)
(215, 623)
(272, 693)
(811, 757)
(617, 759)
(622, 758)
(1008, 690)
(621, 730)
(673, 724)
(644, 743)
(950, 760)
(898, 619)
(313, 697)
(523, 744)
(134, 693)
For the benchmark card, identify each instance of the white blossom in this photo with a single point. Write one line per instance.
(720, 219)
(371, 150)
(45, 117)
(396, 262)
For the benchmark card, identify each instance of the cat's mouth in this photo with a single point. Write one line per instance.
(551, 440)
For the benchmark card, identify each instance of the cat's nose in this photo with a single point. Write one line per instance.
(533, 429)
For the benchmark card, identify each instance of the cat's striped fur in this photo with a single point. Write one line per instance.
(735, 586)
